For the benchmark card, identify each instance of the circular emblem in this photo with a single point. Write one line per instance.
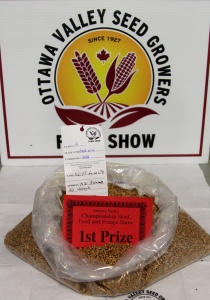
(93, 134)
(103, 75)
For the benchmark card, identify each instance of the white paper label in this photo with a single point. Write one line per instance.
(84, 160)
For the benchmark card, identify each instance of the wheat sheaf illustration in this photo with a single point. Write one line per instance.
(87, 74)
(117, 80)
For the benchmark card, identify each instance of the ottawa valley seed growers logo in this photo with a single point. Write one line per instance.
(145, 294)
(104, 67)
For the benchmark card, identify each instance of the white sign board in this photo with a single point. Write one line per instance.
(139, 69)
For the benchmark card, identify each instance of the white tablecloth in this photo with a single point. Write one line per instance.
(18, 280)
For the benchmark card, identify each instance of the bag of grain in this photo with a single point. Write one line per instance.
(113, 269)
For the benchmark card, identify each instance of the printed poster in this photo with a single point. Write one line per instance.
(140, 70)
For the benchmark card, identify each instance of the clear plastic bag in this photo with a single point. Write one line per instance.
(69, 263)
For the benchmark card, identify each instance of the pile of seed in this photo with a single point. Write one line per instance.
(117, 191)
(108, 253)
(190, 243)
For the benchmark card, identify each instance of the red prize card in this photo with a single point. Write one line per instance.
(98, 220)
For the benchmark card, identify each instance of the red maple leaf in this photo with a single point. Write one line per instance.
(103, 55)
